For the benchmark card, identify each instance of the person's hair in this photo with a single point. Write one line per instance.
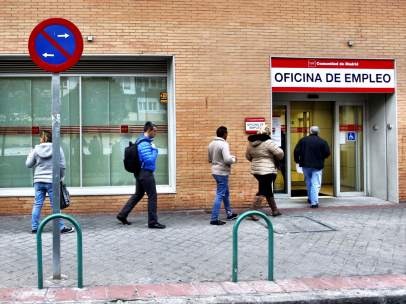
(314, 130)
(149, 126)
(264, 130)
(47, 134)
(221, 131)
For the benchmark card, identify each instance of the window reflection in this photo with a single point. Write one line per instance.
(106, 103)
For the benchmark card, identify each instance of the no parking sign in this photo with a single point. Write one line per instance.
(55, 45)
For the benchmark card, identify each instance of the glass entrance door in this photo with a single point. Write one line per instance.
(351, 149)
(303, 115)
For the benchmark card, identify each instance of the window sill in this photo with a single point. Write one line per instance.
(77, 191)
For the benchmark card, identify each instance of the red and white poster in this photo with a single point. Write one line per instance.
(253, 124)
(332, 75)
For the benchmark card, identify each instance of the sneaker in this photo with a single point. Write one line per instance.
(156, 226)
(232, 216)
(34, 231)
(123, 220)
(217, 222)
(314, 206)
(67, 230)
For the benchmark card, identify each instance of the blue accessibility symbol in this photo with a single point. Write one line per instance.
(351, 136)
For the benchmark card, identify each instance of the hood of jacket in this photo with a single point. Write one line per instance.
(257, 139)
(44, 150)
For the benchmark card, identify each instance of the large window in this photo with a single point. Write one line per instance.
(93, 111)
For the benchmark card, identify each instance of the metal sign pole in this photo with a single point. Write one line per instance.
(54, 50)
(56, 178)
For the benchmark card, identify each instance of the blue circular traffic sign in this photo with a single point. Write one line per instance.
(55, 45)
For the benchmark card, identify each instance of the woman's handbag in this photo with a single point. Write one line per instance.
(65, 197)
(279, 163)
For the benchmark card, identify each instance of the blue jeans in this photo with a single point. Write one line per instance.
(222, 194)
(41, 189)
(313, 183)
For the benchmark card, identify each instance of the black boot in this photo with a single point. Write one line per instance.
(272, 205)
(256, 204)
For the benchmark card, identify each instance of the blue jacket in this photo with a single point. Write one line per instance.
(147, 153)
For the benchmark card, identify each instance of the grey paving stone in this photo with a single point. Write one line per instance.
(308, 244)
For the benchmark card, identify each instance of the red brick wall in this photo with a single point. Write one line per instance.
(222, 51)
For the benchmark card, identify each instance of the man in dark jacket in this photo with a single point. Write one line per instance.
(145, 180)
(310, 153)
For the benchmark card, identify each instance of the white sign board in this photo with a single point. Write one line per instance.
(332, 75)
(252, 125)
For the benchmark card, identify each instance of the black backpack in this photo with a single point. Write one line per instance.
(131, 159)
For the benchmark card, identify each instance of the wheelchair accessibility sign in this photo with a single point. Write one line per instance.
(351, 136)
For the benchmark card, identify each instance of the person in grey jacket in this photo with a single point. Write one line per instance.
(263, 153)
(40, 159)
(221, 161)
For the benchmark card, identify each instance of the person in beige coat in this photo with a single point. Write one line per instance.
(262, 152)
(221, 160)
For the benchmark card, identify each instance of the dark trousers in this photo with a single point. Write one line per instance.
(265, 184)
(144, 182)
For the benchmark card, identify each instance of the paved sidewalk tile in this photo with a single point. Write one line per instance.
(307, 243)
(294, 285)
(183, 289)
(28, 294)
(210, 288)
(238, 287)
(61, 294)
(122, 292)
(265, 287)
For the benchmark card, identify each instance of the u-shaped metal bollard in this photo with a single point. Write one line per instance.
(235, 243)
(79, 247)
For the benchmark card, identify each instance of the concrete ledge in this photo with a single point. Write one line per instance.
(354, 290)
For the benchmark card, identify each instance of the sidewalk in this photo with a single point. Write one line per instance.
(309, 243)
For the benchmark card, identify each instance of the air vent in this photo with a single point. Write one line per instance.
(91, 65)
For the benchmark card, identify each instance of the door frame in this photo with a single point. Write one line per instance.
(337, 168)
(287, 152)
(286, 99)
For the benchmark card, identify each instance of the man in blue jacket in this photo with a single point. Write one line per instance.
(145, 180)
(310, 153)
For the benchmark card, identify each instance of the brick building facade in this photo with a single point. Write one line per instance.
(220, 53)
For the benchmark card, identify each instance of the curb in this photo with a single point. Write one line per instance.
(354, 290)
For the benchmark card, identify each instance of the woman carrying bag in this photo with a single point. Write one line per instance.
(263, 153)
(40, 159)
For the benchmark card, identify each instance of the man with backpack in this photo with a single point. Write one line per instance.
(144, 177)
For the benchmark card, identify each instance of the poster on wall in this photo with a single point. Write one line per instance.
(253, 124)
(342, 138)
(277, 130)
